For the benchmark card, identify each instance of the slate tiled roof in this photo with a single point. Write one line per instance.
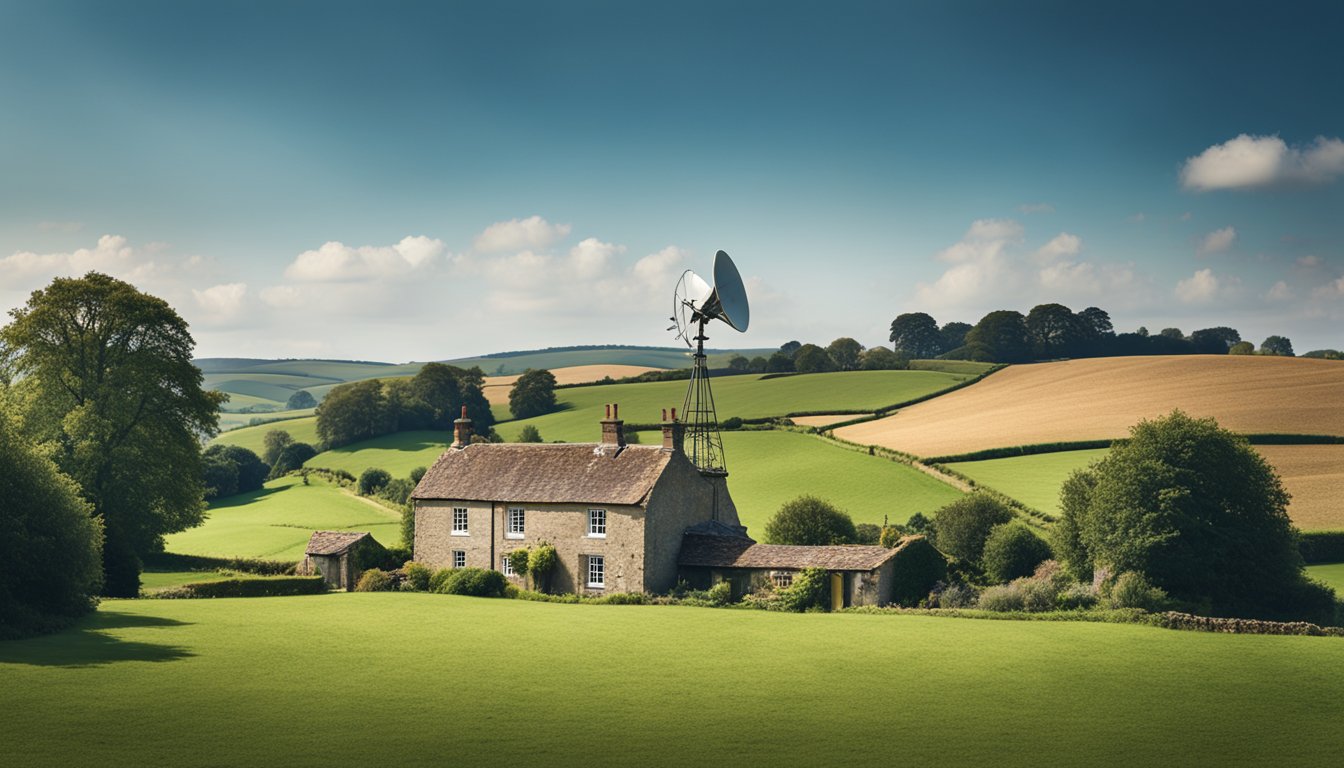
(333, 542)
(710, 551)
(584, 473)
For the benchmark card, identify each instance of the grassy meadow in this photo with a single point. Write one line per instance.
(275, 522)
(1033, 480)
(1330, 573)
(1101, 398)
(430, 679)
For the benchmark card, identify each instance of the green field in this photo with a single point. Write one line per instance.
(746, 396)
(417, 679)
(1033, 480)
(232, 421)
(155, 581)
(275, 522)
(768, 469)
(1330, 573)
(303, 430)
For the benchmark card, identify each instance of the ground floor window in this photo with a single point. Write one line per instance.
(459, 558)
(597, 571)
(506, 565)
(782, 578)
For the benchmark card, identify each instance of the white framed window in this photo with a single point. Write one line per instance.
(460, 521)
(517, 523)
(506, 565)
(597, 523)
(459, 558)
(597, 571)
(782, 578)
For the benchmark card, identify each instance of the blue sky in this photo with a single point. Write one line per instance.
(413, 181)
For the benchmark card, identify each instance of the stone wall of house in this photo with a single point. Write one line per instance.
(681, 498)
(564, 526)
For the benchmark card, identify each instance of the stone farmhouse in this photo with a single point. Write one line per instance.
(622, 517)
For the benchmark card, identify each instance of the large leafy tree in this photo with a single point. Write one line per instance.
(106, 377)
(1055, 331)
(354, 411)
(1199, 512)
(1003, 333)
(953, 335)
(916, 335)
(1277, 345)
(50, 548)
(533, 394)
(810, 521)
(1215, 341)
(844, 352)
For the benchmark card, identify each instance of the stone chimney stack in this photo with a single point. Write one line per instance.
(674, 432)
(462, 431)
(613, 429)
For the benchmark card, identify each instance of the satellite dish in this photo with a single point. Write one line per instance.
(691, 293)
(728, 302)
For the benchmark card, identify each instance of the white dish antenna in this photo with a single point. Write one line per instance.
(694, 302)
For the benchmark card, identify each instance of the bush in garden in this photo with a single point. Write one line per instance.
(1012, 551)
(473, 582)
(541, 561)
(1133, 590)
(957, 595)
(417, 577)
(439, 578)
(961, 528)
(374, 580)
(373, 480)
(811, 589)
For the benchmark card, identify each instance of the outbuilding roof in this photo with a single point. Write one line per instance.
(582, 473)
(711, 551)
(333, 542)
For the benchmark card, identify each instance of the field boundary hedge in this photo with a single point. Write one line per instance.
(1167, 620)
(283, 586)
(170, 561)
(878, 413)
(1321, 546)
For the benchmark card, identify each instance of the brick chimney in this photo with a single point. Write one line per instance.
(674, 432)
(613, 429)
(462, 430)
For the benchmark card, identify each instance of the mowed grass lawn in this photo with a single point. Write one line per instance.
(416, 679)
(276, 522)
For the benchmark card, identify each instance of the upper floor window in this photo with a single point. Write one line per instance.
(459, 558)
(459, 521)
(597, 523)
(517, 523)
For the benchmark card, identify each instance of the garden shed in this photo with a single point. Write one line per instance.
(340, 556)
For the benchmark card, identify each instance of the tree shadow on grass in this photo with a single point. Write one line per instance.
(87, 644)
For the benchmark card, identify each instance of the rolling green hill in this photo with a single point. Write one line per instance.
(275, 522)
(437, 678)
(768, 469)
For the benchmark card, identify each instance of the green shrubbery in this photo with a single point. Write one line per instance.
(917, 568)
(1012, 551)
(374, 580)
(473, 582)
(1132, 590)
(808, 520)
(373, 480)
(810, 591)
(962, 527)
(281, 586)
(415, 577)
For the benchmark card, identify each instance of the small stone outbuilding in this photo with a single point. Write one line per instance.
(341, 556)
(859, 575)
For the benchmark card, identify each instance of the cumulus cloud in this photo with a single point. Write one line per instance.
(112, 255)
(1248, 162)
(335, 261)
(1061, 246)
(533, 233)
(1279, 292)
(1331, 290)
(224, 300)
(1217, 241)
(1029, 208)
(1199, 288)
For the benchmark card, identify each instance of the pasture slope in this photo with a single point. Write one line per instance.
(433, 679)
(1101, 398)
(1312, 474)
(275, 522)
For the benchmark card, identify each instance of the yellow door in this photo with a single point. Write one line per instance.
(837, 591)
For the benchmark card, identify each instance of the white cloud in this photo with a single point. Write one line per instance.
(1198, 288)
(223, 301)
(1309, 261)
(981, 266)
(533, 232)
(1217, 241)
(1036, 208)
(1061, 246)
(1279, 292)
(336, 261)
(111, 255)
(1331, 290)
(591, 257)
(1259, 161)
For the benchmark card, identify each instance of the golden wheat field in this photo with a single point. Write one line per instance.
(1104, 397)
(497, 387)
(1314, 475)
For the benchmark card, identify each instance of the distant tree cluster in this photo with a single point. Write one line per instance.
(843, 354)
(533, 394)
(432, 399)
(1053, 331)
(231, 469)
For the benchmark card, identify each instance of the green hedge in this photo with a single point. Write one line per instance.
(1322, 546)
(168, 561)
(275, 587)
